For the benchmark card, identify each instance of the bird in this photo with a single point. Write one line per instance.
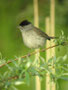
(32, 36)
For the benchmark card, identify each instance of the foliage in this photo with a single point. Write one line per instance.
(23, 69)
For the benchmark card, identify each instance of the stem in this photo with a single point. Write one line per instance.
(33, 53)
(42, 50)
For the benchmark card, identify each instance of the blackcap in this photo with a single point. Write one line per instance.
(32, 36)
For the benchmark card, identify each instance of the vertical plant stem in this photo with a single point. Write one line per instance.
(47, 25)
(36, 17)
(52, 14)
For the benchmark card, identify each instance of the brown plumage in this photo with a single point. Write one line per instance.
(43, 34)
(33, 37)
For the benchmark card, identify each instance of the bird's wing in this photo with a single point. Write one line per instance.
(41, 33)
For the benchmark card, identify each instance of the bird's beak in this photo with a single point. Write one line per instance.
(20, 28)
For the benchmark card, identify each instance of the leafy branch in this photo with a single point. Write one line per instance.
(30, 54)
(20, 73)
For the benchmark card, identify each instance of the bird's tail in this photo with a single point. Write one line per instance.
(52, 38)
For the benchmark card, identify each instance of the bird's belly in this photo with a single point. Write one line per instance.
(33, 41)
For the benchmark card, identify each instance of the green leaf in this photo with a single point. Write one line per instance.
(19, 82)
(27, 78)
(27, 65)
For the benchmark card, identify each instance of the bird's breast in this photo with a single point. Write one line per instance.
(32, 39)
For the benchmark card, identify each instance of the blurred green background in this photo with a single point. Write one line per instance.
(12, 12)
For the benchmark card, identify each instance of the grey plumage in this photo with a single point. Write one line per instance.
(33, 37)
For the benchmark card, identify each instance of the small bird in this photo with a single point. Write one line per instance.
(32, 36)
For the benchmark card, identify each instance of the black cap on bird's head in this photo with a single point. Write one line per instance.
(24, 23)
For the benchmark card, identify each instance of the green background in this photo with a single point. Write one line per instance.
(12, 12)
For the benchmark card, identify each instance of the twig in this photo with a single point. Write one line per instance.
(30, 54)
(16, 77)
(10, 78)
